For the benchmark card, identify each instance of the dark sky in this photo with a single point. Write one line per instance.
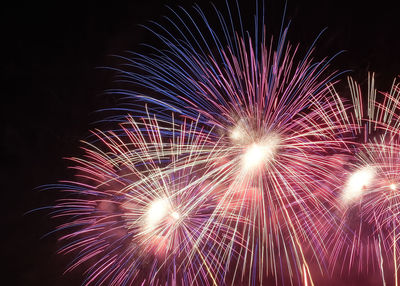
(51, 86)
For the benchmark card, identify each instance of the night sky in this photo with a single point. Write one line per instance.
(53, 82)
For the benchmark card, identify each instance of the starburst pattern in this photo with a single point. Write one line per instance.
(263, 172)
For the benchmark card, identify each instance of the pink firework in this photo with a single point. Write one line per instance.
(366, 237)
(257, 182)
(277, 125)
(144, 207)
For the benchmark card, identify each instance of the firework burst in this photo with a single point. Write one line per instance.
(276, 124)
(143, 207)
(258, 176)
(366, 237)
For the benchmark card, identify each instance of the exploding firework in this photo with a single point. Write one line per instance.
(164, 202)
(145, 208)
(366, 237)
(276, 123)
(244, 186)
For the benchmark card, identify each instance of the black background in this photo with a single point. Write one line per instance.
(51, 86)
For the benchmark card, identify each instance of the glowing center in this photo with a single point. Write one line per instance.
(156, 212)
(159, 212)
(237, 135)
(393, 187)
(175, 215)
(357, 183)
(259, 153)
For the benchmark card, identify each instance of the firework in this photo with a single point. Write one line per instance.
(163, 202)
(366, 237)
(277, 126)
(143, 207)
(263, 173)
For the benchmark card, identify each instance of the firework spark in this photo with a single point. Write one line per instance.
(262, 172)
(368, 201)
(277, 125)
(144, 205)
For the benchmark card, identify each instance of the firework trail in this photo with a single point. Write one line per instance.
(276, 123)
(366, 237)
(142, 206)
(256, 180)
